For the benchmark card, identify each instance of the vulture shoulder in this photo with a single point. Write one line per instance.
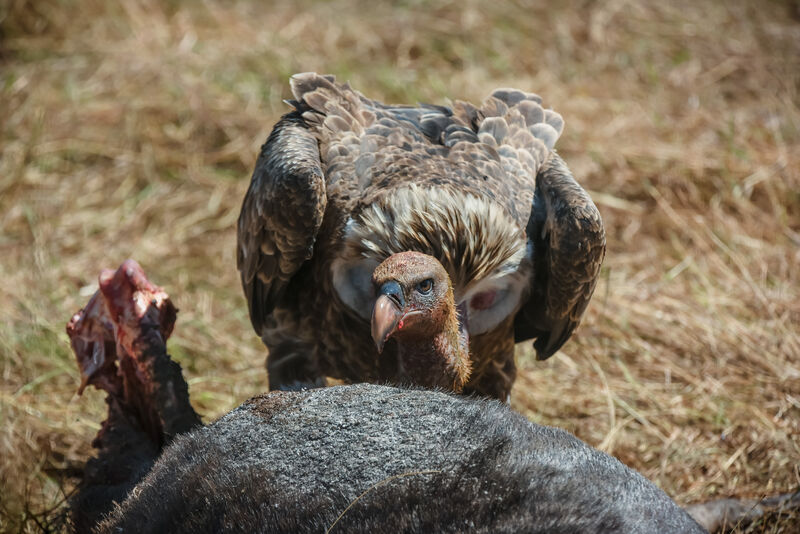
(569, 241)
(281, 215)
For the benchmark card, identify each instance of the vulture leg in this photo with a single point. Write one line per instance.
(496, 382)
(289, 367)
(496, 376)
(119, 340)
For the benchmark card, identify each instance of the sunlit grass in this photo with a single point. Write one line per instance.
(131, 131)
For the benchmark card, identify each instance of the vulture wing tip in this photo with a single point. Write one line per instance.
(550, 342)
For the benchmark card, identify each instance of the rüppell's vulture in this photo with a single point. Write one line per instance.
(344, 182)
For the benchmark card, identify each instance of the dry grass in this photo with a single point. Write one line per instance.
(130, 129)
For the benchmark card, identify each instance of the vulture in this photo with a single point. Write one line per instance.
(344, 182)
(358, 458)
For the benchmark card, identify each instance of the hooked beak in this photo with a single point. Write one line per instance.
(387, 313)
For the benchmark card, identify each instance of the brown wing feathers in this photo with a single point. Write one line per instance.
(569, 247)
(280, 216)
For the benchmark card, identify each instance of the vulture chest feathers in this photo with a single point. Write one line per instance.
(345, 182)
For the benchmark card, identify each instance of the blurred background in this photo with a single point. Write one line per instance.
(130, 129)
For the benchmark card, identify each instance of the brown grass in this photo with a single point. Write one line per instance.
(130, 130)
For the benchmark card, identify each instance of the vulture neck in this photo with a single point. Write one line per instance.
(440, 359)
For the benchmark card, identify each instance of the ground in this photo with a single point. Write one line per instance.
(130, 130)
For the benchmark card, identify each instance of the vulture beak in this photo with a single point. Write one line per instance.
(387, 313)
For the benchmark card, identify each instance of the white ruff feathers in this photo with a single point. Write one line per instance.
(473, 238)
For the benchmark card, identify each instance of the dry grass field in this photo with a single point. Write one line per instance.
(130, 129)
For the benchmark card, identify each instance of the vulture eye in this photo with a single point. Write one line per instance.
(425, 286)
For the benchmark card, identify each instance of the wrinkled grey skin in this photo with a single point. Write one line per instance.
(293, 462)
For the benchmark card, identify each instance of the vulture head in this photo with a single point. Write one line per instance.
(416, 307)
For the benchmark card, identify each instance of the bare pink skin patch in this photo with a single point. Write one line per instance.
(483, 300)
